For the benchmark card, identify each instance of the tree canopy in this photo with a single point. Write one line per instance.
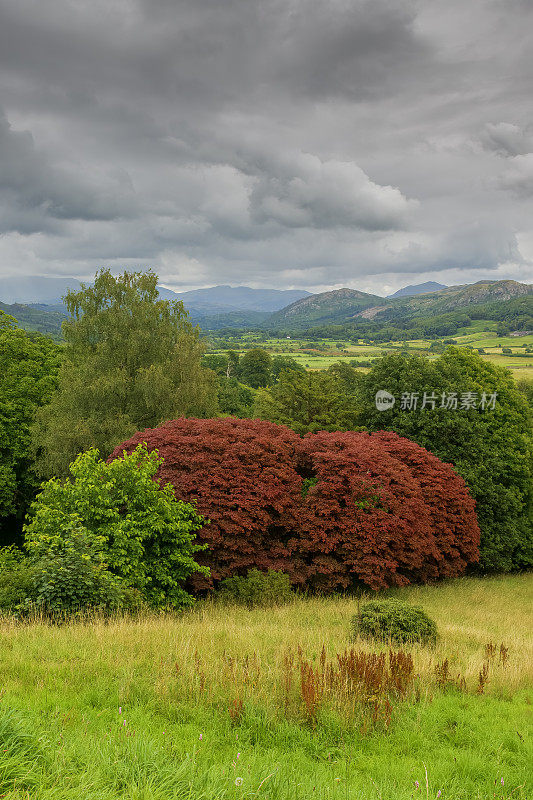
(312, 401)
(131, 360)
(490, 447)
(28, 374)
(328, 509)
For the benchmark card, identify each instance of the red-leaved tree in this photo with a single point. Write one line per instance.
(383, 511)
(330, 509)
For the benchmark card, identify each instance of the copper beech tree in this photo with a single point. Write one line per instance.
(332, 510)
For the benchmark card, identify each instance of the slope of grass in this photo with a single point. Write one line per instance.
(192, 706)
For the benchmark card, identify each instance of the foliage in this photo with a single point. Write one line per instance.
(329, 510)
(312, 401)
(384, 512)
(525, 386)
(241, 475)
(254, 368)
(131, 360)
(17, 578)
(234, 398)
(491, 449)
(28, 373)
(118, 520)
(257, 588)
(392, 620)
(281, 364)
(71, 575)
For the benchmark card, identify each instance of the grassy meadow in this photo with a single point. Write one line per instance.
(211, 704)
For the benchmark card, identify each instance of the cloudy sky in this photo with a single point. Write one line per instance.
(273, 143)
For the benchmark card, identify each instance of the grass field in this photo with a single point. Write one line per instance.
(323, 353)
(197, 706)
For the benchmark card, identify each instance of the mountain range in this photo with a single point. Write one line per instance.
(345, 305)
(38, 290)
(38, 304)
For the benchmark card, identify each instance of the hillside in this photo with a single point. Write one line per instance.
(335, 306)
(455, 298)
(225, 299)
(348, 305)
(244, 308)
(238, 320)
(44, 319)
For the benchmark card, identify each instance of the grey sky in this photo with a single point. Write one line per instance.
(274, 143)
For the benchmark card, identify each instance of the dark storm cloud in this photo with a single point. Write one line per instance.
(312, 143)
(35, 195)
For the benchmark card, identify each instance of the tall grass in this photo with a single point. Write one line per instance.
(165, 706)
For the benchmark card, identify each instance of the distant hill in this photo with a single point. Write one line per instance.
(241, 307)
(35, 302)
(44, 319)
(237, 320)
(419, 288)
(372, 315)
(27, 289)
(337, 305)
(453, 298)
(43, 291)
(224, 299)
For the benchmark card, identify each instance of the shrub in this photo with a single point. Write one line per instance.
(71, 576)
(242, 476)
(383, 512)
(330, 510)
(393, 621)
(17, 578)
(67, 578)
(112, 526)
(257, 588)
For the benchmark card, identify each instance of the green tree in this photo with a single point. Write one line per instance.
(28, 377)
(502, 329)
(125, 523)
(312, 401)
(131, 361)
(254, 368)
(525, 386)
(280, 363)
(235, 399)
(216, 362)
(491, 448)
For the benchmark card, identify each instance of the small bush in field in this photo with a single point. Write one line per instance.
(257, 588)
(391, 620)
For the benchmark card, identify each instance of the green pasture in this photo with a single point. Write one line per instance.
(192, 706)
